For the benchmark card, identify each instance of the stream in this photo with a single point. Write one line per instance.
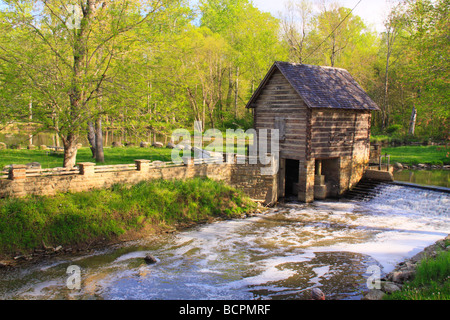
(280, 254)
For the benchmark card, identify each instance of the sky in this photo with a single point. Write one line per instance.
(371, 11)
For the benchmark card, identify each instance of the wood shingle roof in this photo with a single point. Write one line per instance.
(321, 87)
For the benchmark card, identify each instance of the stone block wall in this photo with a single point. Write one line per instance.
(258, 186)
(306, 181)
(246, 177)
(352, 170)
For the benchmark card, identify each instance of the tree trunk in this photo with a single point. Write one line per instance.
(30, 136)
(385, 110)
(77, 93)
(106, 136)
(204, 108)
(333, 52)
(56, 135)
(412, 122)
(99, 154)
(236, 93)
(230, 89)
(384, 122)
(211, 115)
(70, 151)
(91, 138)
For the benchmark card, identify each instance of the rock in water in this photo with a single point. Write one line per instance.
(389, 287)
(317, 294)
(374, 294)
(398, 166)
(150, 259)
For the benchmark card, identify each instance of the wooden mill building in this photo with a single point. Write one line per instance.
(323, 117)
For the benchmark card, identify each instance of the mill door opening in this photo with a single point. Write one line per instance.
(332, 171)
(291, 177)
(326, 178)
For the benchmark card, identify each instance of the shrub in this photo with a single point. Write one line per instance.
(394, 128)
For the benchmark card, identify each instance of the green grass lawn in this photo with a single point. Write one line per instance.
(406, 154)
(437, 155)
(49, 159)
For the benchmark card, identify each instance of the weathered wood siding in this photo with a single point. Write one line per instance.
(339, 133)
(278, 103)
(345, 135)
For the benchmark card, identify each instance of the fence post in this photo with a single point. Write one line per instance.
(87, 168)
(142, 165)
(230, 158)
(188, 161)
(17, 172)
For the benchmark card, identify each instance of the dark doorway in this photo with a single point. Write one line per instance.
(291, 181)
(331, 171)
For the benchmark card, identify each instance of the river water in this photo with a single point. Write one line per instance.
(281, 254)
(440, 178)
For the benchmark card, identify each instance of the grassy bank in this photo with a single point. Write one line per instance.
(434, 155)
(73, 219)
(49, 159)
(431, 281)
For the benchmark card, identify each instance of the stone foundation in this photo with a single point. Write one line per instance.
(323, 178)
(306, 181)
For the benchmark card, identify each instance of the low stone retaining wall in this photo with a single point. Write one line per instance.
(247, 177)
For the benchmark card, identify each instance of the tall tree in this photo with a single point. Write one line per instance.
(427, 63)
(63, 63)
(393, 25)
(295, 25)
(335, 31)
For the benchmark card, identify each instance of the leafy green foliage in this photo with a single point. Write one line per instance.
(418, 76)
